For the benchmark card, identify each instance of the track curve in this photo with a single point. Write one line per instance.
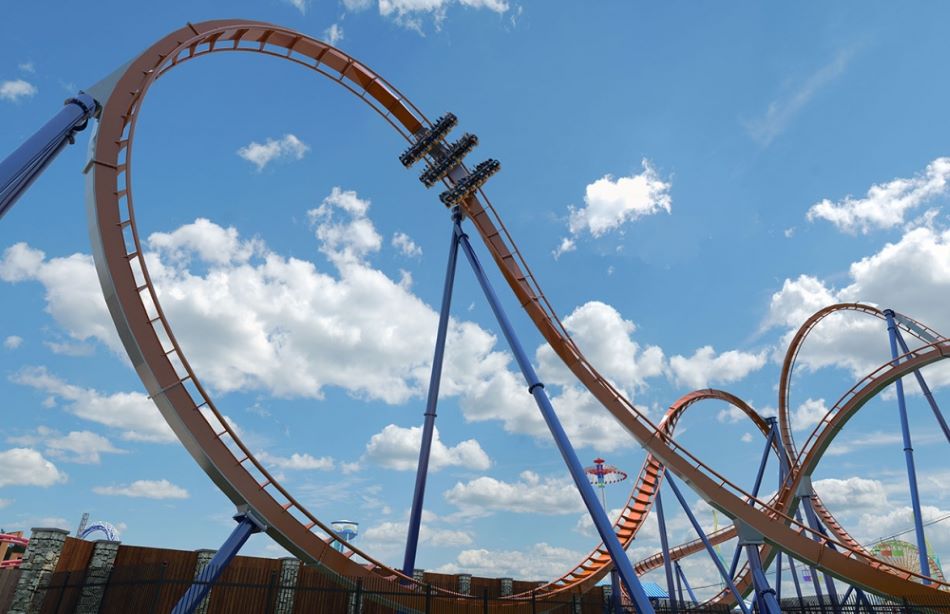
(597, 564)
(172, 384)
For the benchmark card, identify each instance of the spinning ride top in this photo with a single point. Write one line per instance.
(601, 474)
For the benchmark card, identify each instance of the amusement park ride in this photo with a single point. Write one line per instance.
(792, 527)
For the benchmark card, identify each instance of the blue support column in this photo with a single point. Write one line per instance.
(24, 165)
(248, 524)
(679, 587)
(908, 453)
(764, 593)
(778, 577)
(798, 587)
(616, 599)
(702, 535)
(689, 589)
(627, 575)
(435, 379)
(804, 494)
(925, 389)
(763, 462)
(664, 544)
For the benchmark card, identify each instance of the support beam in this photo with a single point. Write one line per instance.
(435, 379)
(925, 389)
(664, 544)
(689, 589)
(764, 593)
(616, 598)
(702, 535)
(248, 524)
(908, 453)
(798, 587)
(617, 554)
(21, 168)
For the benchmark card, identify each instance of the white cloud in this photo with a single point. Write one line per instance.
(349, 241)
(207, 241)
(398, 448)
(782, 110)
(808, 414)
(408, 12)
(406, 245)
(606, 339)
(540, 561)
(704, 368)
(911, 276)
(300, 5)
(853, 492)
(27, 67)
(609, 204)
(879, 524)
(530, 495)
(16, 90)
(147, 489)
(567, 245)
(297, 462)
(357, 5)
(12, 342)
(262, 154)
(394, 534)
(73, 294)
(27, 467)
(885, 205)
(254, 320)
(83, 447)
(333, 34)
(746, 438)
(130, 412)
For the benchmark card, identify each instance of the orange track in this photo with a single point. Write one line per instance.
(174, 387)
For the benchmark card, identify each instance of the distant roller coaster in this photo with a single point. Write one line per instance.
(766, 528)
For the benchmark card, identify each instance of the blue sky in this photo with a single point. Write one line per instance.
(688, 183)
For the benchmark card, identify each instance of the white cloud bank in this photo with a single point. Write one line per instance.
(911, 276)
(532, 494)
(84, 447)
(398, 448)
(705, 368)
(147, 489)
(132, 413)
(885, 205)
(27, 467)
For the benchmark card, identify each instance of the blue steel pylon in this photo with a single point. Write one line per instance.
(702, 536)
(536, 388)
(415, 515)
(248, 524)
(909, 450)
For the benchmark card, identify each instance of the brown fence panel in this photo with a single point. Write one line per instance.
(75, 555)
(317, 592)
(62, 592)
(148, 580)
(248, 584)
(8, 580)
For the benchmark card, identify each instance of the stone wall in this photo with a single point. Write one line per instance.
(39, 561)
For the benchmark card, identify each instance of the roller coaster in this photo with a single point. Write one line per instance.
(767, 530)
